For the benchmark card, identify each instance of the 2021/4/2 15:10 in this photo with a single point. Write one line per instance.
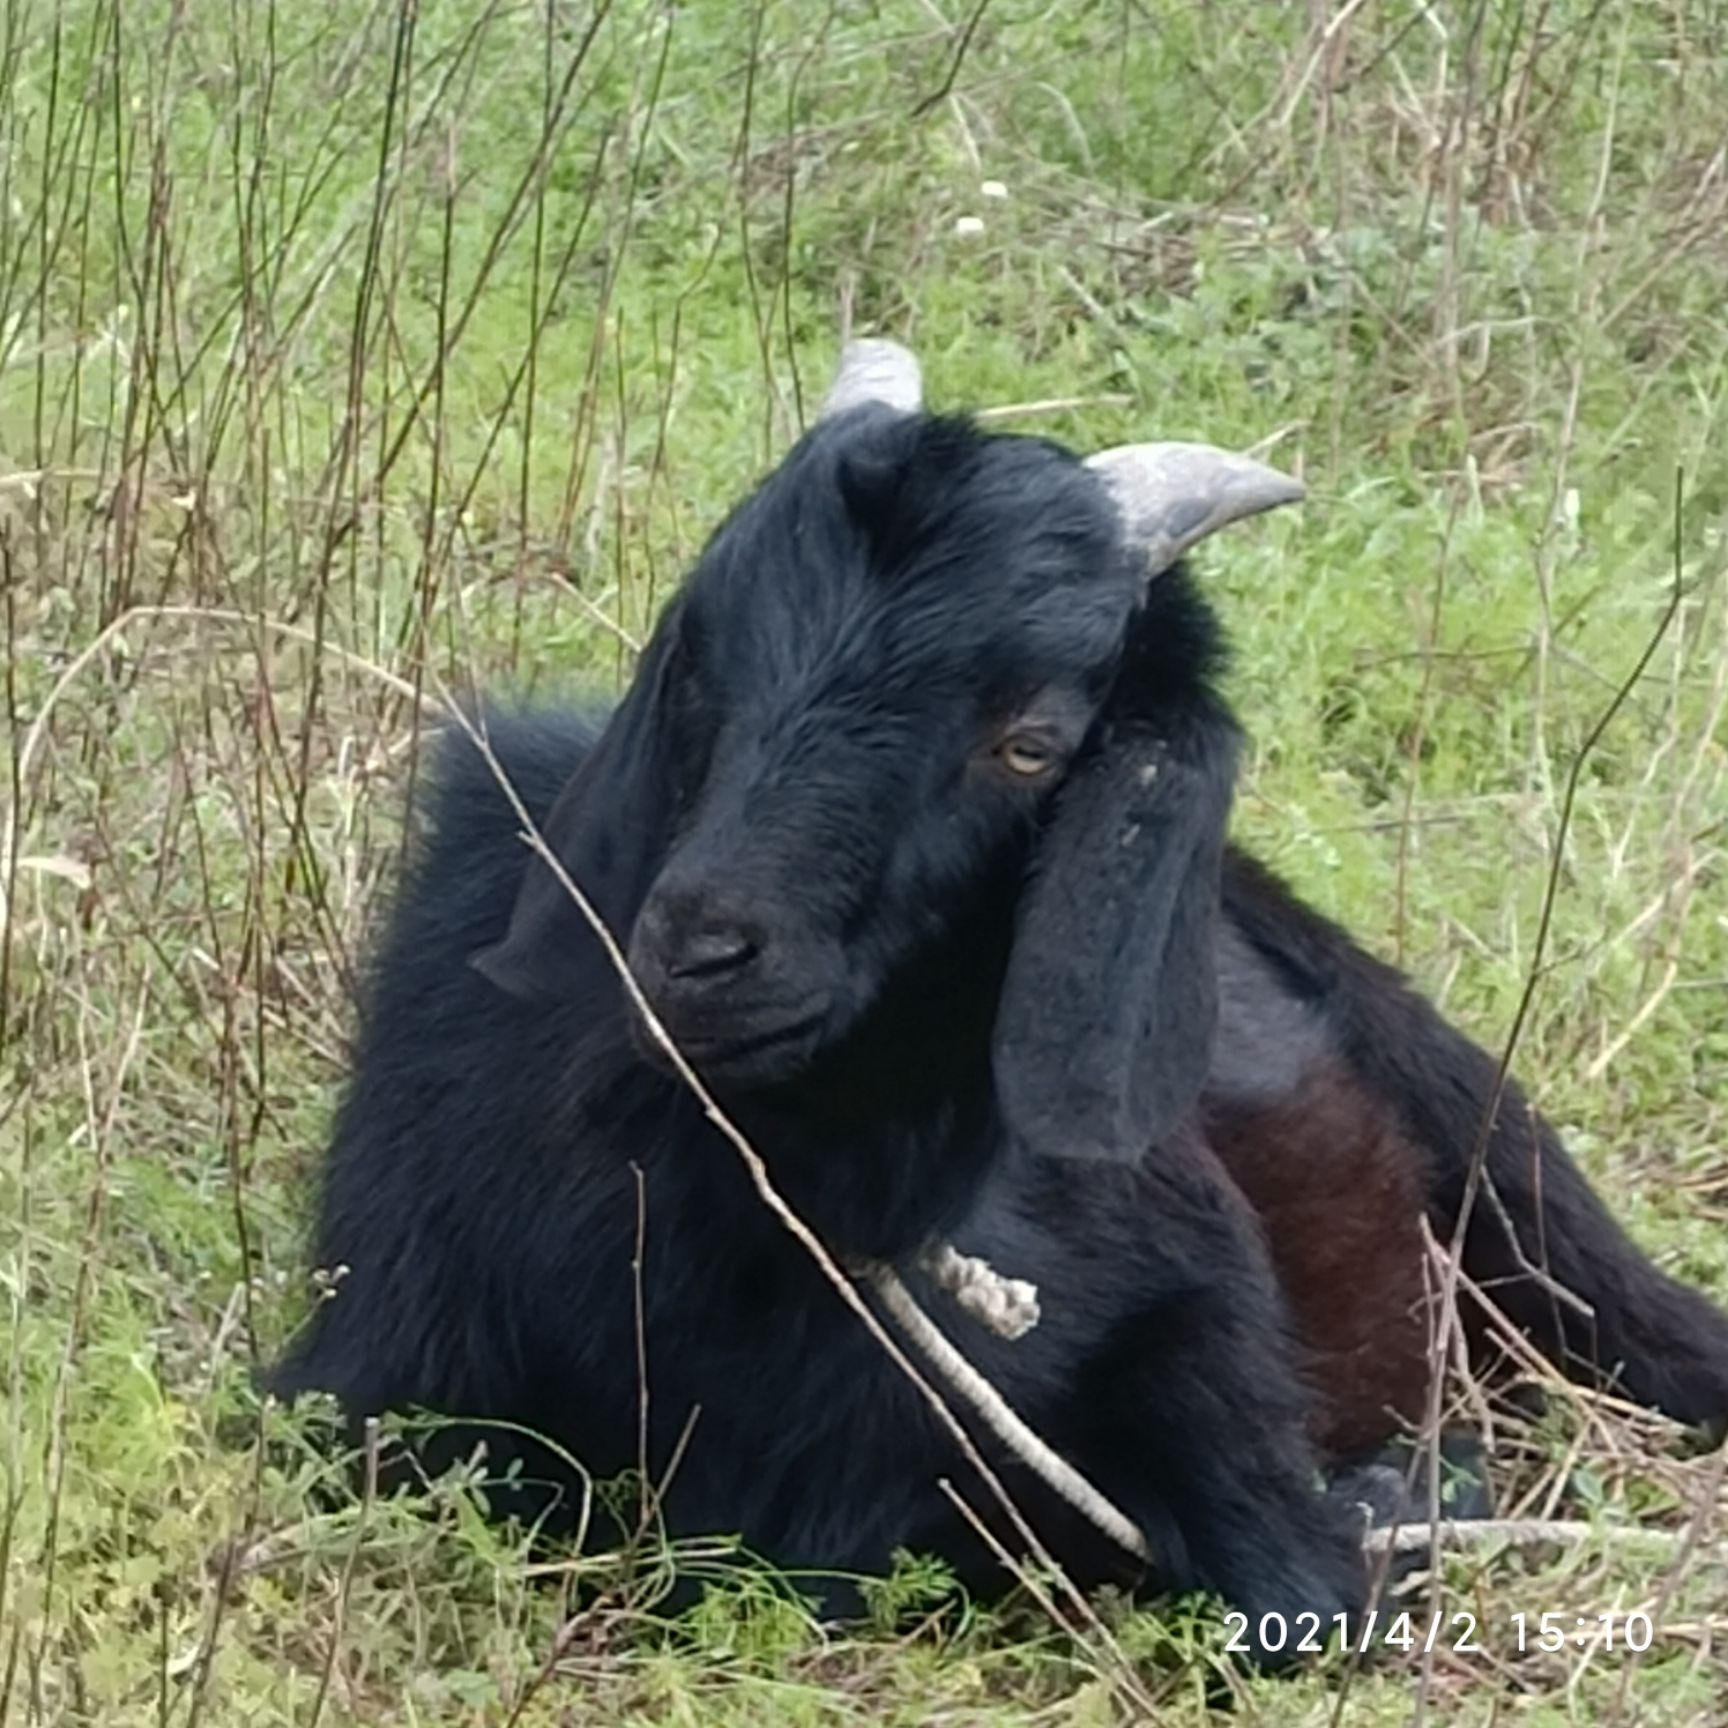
(1550, 1631)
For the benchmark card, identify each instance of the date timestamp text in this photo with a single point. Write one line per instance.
(1461, 1632)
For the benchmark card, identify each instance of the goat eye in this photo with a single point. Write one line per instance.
(1025, 755)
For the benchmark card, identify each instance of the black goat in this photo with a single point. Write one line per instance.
(913, 822)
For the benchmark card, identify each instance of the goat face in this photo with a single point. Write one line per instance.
(848, 734)
(876, 675)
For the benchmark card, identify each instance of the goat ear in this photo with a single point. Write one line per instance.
(609, 830)
(1104, 1033)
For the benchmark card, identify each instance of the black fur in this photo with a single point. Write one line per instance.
(915, 979)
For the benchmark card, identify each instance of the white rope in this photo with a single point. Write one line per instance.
(998, 1417)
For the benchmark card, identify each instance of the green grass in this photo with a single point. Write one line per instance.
(351, 353)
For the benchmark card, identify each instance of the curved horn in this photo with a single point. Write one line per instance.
(872, 370)
(1173, 495)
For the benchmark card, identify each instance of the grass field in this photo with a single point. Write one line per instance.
(355, 354)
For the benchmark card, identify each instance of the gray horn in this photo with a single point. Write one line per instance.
(1172, 496)
(872, 370)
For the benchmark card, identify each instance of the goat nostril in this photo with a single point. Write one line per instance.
(708, 953)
